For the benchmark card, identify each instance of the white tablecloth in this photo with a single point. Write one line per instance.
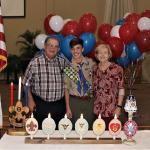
(17, 143)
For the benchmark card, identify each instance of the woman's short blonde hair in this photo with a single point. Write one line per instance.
(101, 46)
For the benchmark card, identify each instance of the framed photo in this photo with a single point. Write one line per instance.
(13, 8)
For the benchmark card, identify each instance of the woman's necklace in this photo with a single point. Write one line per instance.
(104, 66)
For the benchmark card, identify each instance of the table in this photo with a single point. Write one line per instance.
(17, 142)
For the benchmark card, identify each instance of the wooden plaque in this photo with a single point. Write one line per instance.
(16, 131)
(42, 140)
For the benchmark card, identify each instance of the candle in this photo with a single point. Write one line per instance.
(11, 93)
(19, 89)
(26, 94)
(1, 115)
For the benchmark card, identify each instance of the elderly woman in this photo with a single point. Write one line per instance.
(108, 85)
(78, 84)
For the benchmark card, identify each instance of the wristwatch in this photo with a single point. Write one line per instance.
(119, 106)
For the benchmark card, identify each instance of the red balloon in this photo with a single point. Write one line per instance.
(99, 42)
(71, 27)
(142, 40)
(47, 28)
(133, 18)
(127, 32)
(88, 23)
(146, 13)
(92, 53)
(116, 46)
(104, 31)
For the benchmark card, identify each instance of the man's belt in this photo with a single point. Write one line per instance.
(80, 97)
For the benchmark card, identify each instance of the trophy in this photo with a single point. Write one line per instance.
(130, 126)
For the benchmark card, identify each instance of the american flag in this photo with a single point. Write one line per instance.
(3, 52)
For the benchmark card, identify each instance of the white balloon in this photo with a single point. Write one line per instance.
(126, 15)
(39, 40)
(115, 31)
(67, 20)
(144, 23)
(56, 23)
(123, 52)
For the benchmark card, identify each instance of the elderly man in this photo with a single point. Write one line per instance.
(45, 78)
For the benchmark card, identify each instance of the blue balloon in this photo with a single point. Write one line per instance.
(59, 37)
(121, 21)
(123, 61)
(89, 42)
(60, 54)
(65, 46)
(133, 52)
(42, 51)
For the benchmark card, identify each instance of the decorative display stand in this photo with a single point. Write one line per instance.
(65, 126)
(18, 115)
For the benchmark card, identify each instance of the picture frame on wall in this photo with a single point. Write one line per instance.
(13, 8)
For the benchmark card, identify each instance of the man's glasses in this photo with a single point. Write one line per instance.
(52, 46)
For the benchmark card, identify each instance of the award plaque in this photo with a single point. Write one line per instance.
(81, 126)
(31, 126)
(65, 126)
(99, 127)
(115, 127)
(48, 126)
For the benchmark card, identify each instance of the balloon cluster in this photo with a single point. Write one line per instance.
(129, 38)
(66, 29)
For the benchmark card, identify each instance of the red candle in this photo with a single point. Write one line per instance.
(11, 94)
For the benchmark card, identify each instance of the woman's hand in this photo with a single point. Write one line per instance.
(117, 111)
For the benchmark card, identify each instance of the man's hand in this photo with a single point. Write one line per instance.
(31, 103)
(69, 113)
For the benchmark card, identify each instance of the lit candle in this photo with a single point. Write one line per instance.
(11, 94)
(26, 94)
(19, 89)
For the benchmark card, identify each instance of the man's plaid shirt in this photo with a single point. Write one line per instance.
(45, 77)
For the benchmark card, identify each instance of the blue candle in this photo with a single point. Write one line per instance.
(26, 94)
